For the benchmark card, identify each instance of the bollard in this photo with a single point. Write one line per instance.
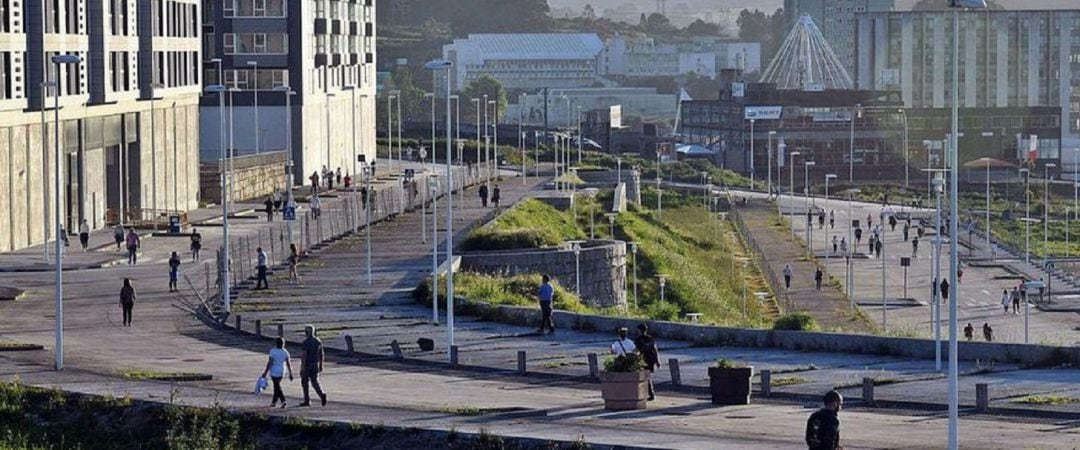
(766, 382)
(594, 369)
(281, 330)
(982, 397)
(238, 322)
(258, 327)
(396, 349)
(868, 390)
(349, 344)
(521, 362)
(676, 374)
(453, 356)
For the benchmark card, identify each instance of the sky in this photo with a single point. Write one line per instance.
(650, 5)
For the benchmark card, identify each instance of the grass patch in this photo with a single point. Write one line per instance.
(796, 321)
(529, 224)
(518, 290)
(464, 411)
(163, 376)
(788, 381)
(1047, 400)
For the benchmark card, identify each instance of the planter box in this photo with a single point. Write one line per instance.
(730, 386)
(624, 390)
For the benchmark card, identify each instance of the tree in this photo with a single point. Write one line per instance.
(702, 28)
(486, 85)
(657, 23)
(768, 30)
(588, 13)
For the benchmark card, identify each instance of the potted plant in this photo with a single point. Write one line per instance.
(624, 383)
(729, 382)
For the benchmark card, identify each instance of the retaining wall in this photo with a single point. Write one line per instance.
(254, 176)
(1024, 354)
(606, 179)
(603, 268)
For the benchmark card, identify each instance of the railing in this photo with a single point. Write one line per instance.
(759, 260)
(144, 217)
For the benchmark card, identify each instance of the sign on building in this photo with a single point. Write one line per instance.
(615, 116)
(763, 112)
(738, 89)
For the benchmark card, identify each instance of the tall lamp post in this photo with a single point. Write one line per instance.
(255, 90)
(769, 153)
(58, 60)
(752, 154)
(289, 202)
(825, 236)
(153, 159)
(1026, 173)
(224, 264)
(954, 194)
(856, 112)
(907, 159)
(390, 125)
(355, 220)
(435, 66)
(791, 182)
(806, 188)
(1046, 214)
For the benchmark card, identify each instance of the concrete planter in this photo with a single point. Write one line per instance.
(624, 391)
(730, 386)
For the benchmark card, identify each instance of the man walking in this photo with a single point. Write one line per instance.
(196, 244)
(843, 246)
(1016, 300)
(547, 298)
(834, 243)
(823, 427)
(316, 206)
(260, 265)
(907, 229)
(133, 242)
(483, 191)
(818, 276)
(944, 290)
(915, 247)
(832, 219)
(624, 346)
(787, 276)
(858, 237)
(84, 234)
(496, 196)
(311, 364)
(118, 235)
(174, 271)
(127, 301)
(269, 204)
(878, 245)
(988, 333)
(646, 347)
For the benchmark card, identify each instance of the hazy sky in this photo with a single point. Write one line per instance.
(650, 5)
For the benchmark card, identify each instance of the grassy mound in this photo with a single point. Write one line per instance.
(529, 224)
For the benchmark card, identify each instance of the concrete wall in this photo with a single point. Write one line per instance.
(254, 177)
(603, 268)
(1025, 354)
(608, 179)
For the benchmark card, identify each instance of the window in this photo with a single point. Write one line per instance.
(5, 16)
(5, 75)
(260, 8)
(229, 8)
(255, 8)
(260, 42)
(256, 43)
(230, 43)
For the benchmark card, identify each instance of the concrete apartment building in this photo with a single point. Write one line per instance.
(318, 48)
(836, 20)
(646, 57)
(1009, 59)
(130, 52)
(526, 61)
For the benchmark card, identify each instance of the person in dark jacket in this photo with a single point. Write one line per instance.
(174, 271)
(646, 346)
(496, 195)
(944, 291)
(483, 191)
(823, 426)
(127, 301)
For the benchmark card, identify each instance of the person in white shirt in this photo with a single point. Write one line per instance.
(275, 367)
(623, 346)
(260, 264)
(316, 206)
(84, 234)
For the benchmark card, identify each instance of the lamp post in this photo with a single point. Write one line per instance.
(633, 251)
(477, 102)
(355, 219)
(791, 181)
(288, 92)
(828, 177)
(1046, 214)
(487, 144)
(224, 264)
(851, 251)
(611, 223)
(576, 245)
(494, 140)
(989, 242)
(907, 160)
(938, 183)
(153, 157)
(806, 189)
(45, 85)
(752, 154)
(433, 187)
(1026, 173)
(423, 155)
(663, 282)
(390, 125)
(438, 65)
(326, 104)
(536, 153)
(580, 137)
(1076, 183)
(369, 173)
(856, 112)
(885, 214)
(255, 64)
(769, 152)
(57, 61)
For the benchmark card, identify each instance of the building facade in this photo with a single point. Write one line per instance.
(323, 50)
(128, 113)
(526, 61)
(836, 20)
(706, 56)
(1008, 59)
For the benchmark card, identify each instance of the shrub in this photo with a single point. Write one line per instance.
(724, 363)
(504, 240)
(797, 321)
(628, 362)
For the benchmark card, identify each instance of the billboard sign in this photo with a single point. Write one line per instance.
(738, 89)
(615, 116)
(763, 112)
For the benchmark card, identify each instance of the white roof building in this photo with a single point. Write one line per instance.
(526, 60)
(705, 56)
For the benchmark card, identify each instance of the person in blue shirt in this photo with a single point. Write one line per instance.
(547, 298)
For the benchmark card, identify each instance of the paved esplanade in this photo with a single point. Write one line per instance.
(378, 391)
(979, 289)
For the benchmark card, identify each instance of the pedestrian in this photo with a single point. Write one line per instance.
(269, 204)
(127, 301)
(260, 265)
(132, 246)
(316, 206)
(870, 242)
(907, 227)
(944, 290)
(196, 244)
(959, 276)
(988, 333)
(62, 234)
(818, 275)
(1006, 298)
(646, 347)
(869, 221)
(969, 332)
(84, 234)
(834, 243)
(1042, 289)
(338, 175)
(174, 271)
(823, 426)
(496, 195)
(294, 259)
(858, 237)
(821, 220)
(934, 289)
(878, 245)
(892, 223)
(787, 276)
(546, 296)
(275, 367)
(623, 346)
(118, 235)
(311, 364)
(348, 181)
(915, 247)
(1023, 293)
(843, 246)
(483, 191)
(832, 219)
(314, 182)
(277, 200)
(920, 231)
(1016, 300)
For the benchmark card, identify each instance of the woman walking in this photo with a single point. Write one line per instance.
(127, 301)
(275, 367)
(294, 259)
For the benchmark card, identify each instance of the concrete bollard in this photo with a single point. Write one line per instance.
(868, 390)
(258, 327)
(594, 367)
(349, 344)
(453, 356)
(676, 374)
(396, 348)
(982, 397)
(766, 382)
(237, 322)
(521, 362)
(281, 330)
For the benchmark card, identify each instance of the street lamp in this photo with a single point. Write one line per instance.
(791, 181)
(435, 66)
(255, 64)
(663, 282)
(851, 251)
(938, 183)
(153, 158)
(769, 152)
(752, 154)
(494, 140)
(907, 161)
(885, 214)
(289, 203)
(58, 60)
(326, 104)
(355, 219)
(828, 176)
(433, 187)
(225, 287)
(856, 112)
(633, 251)
(1046, 214)
(576, 246)
(611, 222)
(806, 189)
(390, 96)
(1026, 173)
